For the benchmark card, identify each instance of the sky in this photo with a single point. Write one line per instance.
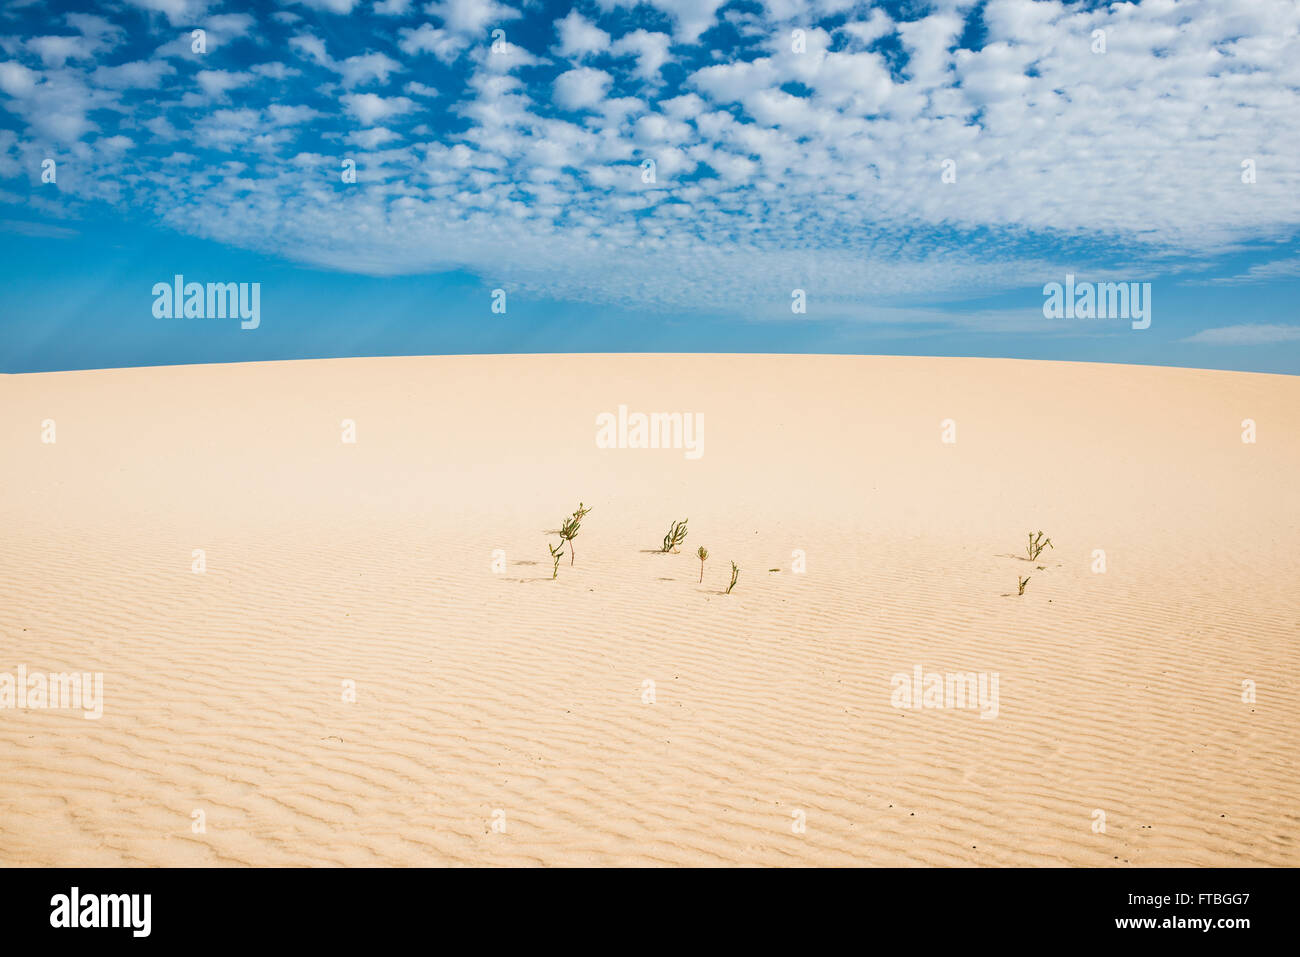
(782, 176)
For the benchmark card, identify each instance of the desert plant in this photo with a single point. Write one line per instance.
(1023, 582)
(735, 577)
(568, 532)
(704, 554)
(1036, 544)
(676, 535)
(556, 552)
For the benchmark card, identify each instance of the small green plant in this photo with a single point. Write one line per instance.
(556, 552)
(704, 554)
(568, 532)
(735, 577)
(1023, 582)
(1037, 543)
(676, 535)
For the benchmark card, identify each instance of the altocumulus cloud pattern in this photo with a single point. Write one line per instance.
(676, 153)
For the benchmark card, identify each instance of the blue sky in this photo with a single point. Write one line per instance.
(796, 144)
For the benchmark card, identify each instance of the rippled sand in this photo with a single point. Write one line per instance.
(506, 696)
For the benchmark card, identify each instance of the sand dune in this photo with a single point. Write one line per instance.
(480, 692)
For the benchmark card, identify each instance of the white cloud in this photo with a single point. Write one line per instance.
(427, 38)
(650, 50)
(354, 71)
(340, 7)
(471, 16)
(369, 108)
(927, 41)
(114, 145)
(366, 68)
(55, 106)
(1247, 334)
(1278, 269)
(692, 17)
(867, 32)
(581, 89)
(103, 33)
(161, 128)
(313, 48)
(138, 75)
(657, 128)
(288, 115)
(218, 32)
(616, 109)
(247, 131)
(579, 37)
(503, 57)
(730, 82)
(217, 83)
(57, 50)
(371, 139)
(16, 79)
(274, 71)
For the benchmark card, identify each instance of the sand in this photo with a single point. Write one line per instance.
(502, 717)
